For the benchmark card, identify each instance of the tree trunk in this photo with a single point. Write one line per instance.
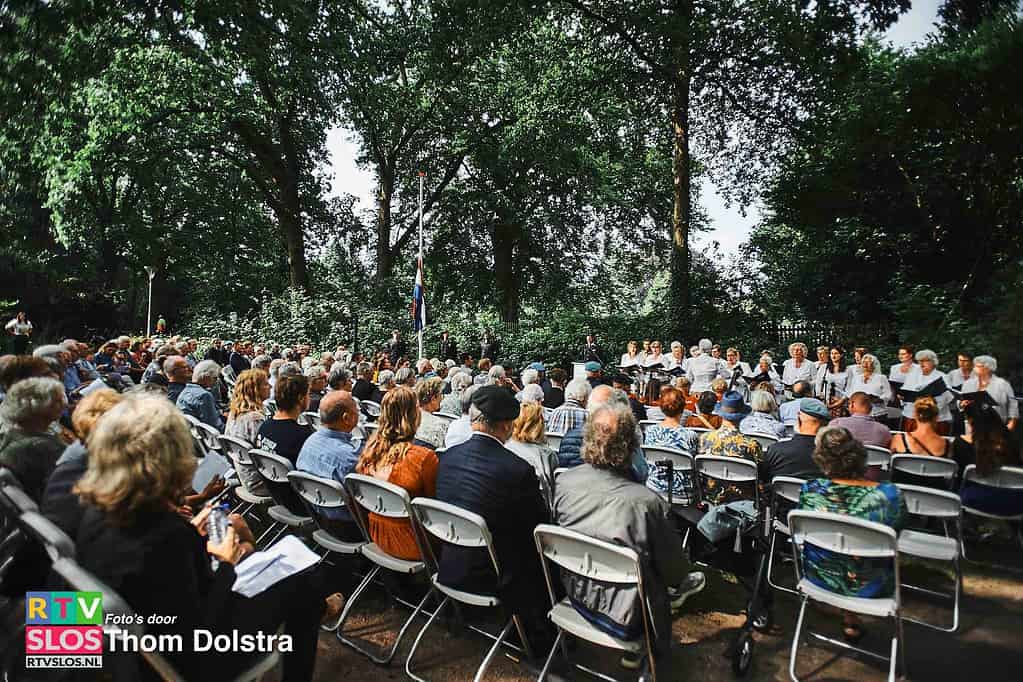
(506, 277)
(289, 218)
(681, 217)
(385, 257)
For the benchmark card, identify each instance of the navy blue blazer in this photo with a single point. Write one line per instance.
(482, 476)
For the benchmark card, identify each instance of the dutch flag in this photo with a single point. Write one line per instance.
(419, 299)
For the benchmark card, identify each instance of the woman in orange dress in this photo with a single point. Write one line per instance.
(391, 456)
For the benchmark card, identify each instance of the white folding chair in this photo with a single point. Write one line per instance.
(237, 450)
(54, 541)
(766, 440)
(942, 472)
(455, 526)
(946, 507)
(849, 536)
(269, 407)
(369, 495)
(113, 603)
(645, 424)
(737, 471)
(310, 419)
(210, 436)
(445, 416)
(198, 437)
(287, 510)
(372, 409)
(1006, 478)
(596, 560)
(878, 456)
(371, 429)
(319, 494)
(681, 462)
(554, 440)
(785, 492)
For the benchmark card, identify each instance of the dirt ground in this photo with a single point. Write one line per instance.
(987, 648)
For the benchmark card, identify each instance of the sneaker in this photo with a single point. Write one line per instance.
(632, 661)
(694, 583)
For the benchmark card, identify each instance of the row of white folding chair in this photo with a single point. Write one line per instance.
(205, 436)
(733, 470)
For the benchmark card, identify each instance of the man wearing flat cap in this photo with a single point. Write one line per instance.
(595, 374)
(794, 457)
(482, 476)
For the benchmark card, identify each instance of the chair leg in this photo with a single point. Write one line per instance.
(550, 656)
(527, 650)
(770, 566)
(339, 625)
(493, 650)
(795, 641)
(386, 658)
(898, 647)
(419, 637)
(269, 529)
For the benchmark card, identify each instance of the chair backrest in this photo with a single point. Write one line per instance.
(586, 556)
(1004, 477)
(269, 407)
(54, 541)
(371, 428)
(766, 440)
(379, 497)
(699, 429)
(548, 412)
(317, 491)
(210, 436)
(924, 501)
(272, 466)
(455, 526)
(645, 424)
(371, 408)
(937, 468)
(440, 451)
(236, 448)
(16, 500)
(197, 434)
(787, 488)
(878, 456)
(554, 440)
(729, 469)
(682, 461)
(842, 534)
(445, 416)
(312, 419)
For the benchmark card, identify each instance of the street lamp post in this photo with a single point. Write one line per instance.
(151, 271)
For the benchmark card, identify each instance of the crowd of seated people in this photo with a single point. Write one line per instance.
(82, 449)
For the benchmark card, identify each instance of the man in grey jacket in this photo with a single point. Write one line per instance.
(600, 499)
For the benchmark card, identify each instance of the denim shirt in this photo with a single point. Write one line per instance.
(196, 401)
(330, 454)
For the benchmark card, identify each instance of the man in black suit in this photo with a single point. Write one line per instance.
(554, 395)
(448, 347)
(482, 476)
(490, 346)
(396, 347)
(592, 352)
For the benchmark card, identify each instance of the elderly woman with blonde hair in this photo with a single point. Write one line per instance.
(132, 538)
(529, 440)
(798, 367)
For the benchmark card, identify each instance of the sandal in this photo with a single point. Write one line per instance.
(853, 633)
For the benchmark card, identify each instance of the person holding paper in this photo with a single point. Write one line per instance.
(924, 381)
(132, 538)
(997, 388)
(631, 357)
(798, 367)
(904, 369)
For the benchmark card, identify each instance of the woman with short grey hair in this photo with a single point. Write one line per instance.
(452, 402)
(871, 381)
(1005, 403)
(762, 419)
(27, 447)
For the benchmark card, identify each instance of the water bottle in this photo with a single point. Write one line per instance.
(216, 528)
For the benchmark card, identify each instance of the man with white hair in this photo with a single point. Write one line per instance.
(460, 430)
(339, 378)
(27, 448)
(572, 412)
(196, 399)
(703, 368)
(178, 373)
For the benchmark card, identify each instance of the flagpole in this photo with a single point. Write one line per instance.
(422, 176)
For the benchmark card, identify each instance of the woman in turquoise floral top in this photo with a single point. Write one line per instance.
(846, 490)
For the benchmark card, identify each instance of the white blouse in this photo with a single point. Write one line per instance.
(876, 385)
(898, 376)
(919, 380)
(1001, 392)
(955, 378)
(630, 360)
(790, 374)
